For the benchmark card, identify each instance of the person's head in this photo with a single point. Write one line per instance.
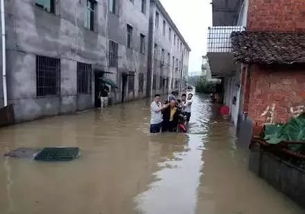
(178, 101)
(183, 97)
(172, 103)
(190, 96)
(157, 98)
(173, 93)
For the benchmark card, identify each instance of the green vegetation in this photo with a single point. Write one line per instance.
(202, 84)
(293, 131)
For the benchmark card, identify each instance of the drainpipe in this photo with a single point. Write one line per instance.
(3, 53)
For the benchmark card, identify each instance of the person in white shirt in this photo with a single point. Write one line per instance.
(156, 114)
(188, 106)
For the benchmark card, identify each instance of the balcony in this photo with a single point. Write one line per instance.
(220, 50)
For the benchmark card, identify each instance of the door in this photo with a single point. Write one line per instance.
(124, 86)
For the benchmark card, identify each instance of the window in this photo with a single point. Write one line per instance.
(157, 20)
(47, 5)
(177, 65)
(84, 72)
(163, 57)
(141, 82)
(168, 59)
(142, 43)
(175, 39)
(170, 34)
(90, 14)
(161, 82)
(173, 62)
(154, 81)
(47, 76)
(156, 51)
(129, 36)
(113, 54)
(164, 28)
(130, 83)
(112, 6)
(143, 6)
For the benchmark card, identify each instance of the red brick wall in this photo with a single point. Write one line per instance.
(276, 15)
(284, 87)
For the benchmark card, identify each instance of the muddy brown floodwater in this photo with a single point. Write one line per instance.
(125, 170)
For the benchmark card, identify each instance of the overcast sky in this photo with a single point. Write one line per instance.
(192, 17)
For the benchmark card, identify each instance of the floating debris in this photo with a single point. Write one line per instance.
(46, 154)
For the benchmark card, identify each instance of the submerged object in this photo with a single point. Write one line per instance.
(46, 154)
(58, 154)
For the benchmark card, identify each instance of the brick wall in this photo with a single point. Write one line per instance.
(276, 15)
(283, 87)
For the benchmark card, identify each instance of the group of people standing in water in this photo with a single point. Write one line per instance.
(171, 116)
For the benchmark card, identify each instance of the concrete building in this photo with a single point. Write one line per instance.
(169, 52)
(61, 54)
(260, 58)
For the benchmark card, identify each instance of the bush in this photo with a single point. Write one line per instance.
(204, 86)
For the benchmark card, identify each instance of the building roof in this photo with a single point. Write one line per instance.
(268, 47)
(171, 22)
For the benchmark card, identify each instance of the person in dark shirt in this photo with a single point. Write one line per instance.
(170, 117)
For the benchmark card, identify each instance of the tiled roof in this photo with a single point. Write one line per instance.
(268, 47)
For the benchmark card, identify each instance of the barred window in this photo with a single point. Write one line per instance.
(163, 57)
(47, 76)
(47, 5)
(131, 83)
(141, 82)
(113, 54)
(112, 6)
(129, 35)
(84, 72)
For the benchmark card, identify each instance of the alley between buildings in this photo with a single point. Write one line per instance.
(124, 169)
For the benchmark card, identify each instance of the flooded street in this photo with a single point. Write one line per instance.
(124, 170)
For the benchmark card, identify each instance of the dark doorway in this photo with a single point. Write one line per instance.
(124, 86)
(98, 87)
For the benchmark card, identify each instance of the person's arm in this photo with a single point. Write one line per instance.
(156, 108)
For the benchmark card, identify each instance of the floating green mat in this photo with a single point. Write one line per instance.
(58, 154)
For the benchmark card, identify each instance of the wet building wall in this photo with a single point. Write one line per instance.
(131, 72)
(65, 35)
(170, 52)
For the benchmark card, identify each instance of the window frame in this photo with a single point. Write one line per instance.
(142, 43)
(157, 20)
(129, 36)
(112, 7)
(84, 78)
(90, 13)
(143, 6)
(52, 6)
(45, 66)
(164, 28)
(113, 54)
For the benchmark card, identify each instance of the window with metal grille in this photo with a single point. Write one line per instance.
(112, 6)
(141, 82)
(47, 76)
(113, 54)
(143, 6)
(129, 35)
(154, 81)
(131, 83)
(47, 5)
(84, 73)
(142, 43)
(90, 14)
